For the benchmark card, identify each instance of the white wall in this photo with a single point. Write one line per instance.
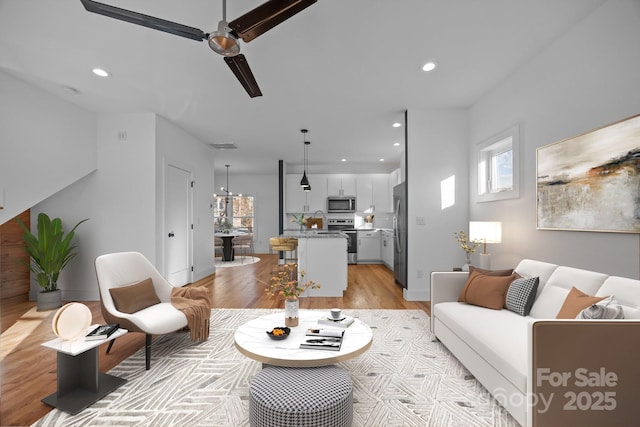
(178, 148)
(119, 198)
(45, 145)
(586, 79)
(265, 190)
(437, 149)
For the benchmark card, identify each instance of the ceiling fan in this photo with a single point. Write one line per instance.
(224, 40)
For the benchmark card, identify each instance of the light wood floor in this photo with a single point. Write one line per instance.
(28, 370)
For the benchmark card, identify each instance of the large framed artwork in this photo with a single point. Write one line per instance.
(591, 182)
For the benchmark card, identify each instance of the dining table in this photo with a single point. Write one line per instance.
(227, 243)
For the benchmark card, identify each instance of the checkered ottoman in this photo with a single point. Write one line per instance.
(301, 397)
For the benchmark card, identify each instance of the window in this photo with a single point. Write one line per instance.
(239, 212)
(498, 174)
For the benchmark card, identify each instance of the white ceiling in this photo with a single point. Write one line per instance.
(344, 69)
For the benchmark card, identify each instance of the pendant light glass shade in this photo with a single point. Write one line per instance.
(304, 182)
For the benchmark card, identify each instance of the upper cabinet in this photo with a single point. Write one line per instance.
(341, 185)
(374, 193)
(297, 200)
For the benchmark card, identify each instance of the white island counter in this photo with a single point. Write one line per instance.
(323, 256)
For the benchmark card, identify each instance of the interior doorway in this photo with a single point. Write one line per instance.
(178, 226)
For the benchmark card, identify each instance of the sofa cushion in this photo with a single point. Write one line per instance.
(498, 336)
(135, 297)
(627, 292)
(533, 268)
(608, 308)
(575, 302)
(555, 291)
(486, 291)
(521, 294)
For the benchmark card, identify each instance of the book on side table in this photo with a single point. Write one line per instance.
(102, 332)
(323, 339)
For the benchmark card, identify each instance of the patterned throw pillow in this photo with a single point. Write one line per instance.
(608, 308)
(521, 294)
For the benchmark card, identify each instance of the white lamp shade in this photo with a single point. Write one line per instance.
(485, 231)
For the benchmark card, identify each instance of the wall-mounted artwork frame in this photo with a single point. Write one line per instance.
(591, 182)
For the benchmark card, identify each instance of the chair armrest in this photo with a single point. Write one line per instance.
(584, 372)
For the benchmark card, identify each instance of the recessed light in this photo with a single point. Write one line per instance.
(396, 144)
(397, 125)
(343, 160)
(100, 72)
(382, 160)
(430, 66)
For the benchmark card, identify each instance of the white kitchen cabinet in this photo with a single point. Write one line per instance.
(341, 185)
(297, 200)
(386, 248)
(374, 193)
(369, 246)
(317, 197)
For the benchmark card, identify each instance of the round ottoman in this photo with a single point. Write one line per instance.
(301, 397)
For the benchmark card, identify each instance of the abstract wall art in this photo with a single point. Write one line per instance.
(591, 182)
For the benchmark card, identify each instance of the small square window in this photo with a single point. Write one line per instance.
(498, 166)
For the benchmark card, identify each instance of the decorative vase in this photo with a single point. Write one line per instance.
(49, 300)
(291, 312)
(302, 228)
(467, 263)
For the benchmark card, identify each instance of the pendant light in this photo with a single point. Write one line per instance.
(304, 182)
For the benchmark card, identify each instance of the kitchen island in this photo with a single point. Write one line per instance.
(323, 256)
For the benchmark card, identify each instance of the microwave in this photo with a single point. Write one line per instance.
(337, 204)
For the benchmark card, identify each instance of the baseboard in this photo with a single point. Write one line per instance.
(201, 274)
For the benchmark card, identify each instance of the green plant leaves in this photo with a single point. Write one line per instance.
(50, 250)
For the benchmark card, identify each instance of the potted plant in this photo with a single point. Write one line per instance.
(50, 252)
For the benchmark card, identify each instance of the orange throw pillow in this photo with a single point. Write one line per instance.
(486, 291)
(575, 302)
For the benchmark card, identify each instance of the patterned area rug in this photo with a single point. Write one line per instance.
(405, 379)
(239, 261)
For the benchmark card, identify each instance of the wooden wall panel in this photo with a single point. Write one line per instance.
(14, 276)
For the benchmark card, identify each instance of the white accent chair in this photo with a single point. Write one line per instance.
(126, 268)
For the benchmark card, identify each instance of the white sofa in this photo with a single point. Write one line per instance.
(545, 371)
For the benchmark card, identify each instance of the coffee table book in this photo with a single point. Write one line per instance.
(323, 339)
(343, 322)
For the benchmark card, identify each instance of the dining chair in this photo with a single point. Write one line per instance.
(217, 245)
(243, 242)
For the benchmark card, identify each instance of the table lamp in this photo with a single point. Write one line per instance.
(485, 232)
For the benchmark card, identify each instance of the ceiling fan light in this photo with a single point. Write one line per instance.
(223, 42)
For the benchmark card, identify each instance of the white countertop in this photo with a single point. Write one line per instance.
(312, 234)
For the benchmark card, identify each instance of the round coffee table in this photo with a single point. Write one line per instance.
(252, 340)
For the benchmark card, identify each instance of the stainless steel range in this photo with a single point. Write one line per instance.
(346, 226)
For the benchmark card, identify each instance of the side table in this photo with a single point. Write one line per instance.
(79, 382)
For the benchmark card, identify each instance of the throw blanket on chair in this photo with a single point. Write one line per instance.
(194, 302)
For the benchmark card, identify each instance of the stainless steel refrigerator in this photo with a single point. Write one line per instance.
(400, 222)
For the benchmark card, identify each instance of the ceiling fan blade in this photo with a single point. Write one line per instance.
(240, 68)
(144, 20)
(266, 16)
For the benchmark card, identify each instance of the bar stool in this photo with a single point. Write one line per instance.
(283, 244)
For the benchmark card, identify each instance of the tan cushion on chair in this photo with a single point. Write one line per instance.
(135, 297)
